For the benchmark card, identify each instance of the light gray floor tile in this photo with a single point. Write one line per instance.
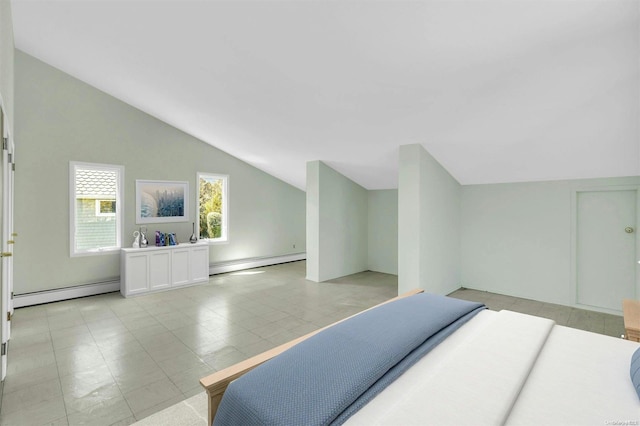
(81, 364)
(37, 394)
(151, 395)
(84, 381)
(218, 361)
(82, 398)
(29, 327)
(125, 422)
(139, 320)
(187, 380)
(106, 412)
(18, 342)
(156, 408)
(22, 364)
(180, 363)
(210, 348)
(134, 380)
(162, 353)
(256, 348)
(37, 414)
(65, 320)
(120, 350)
(29, 378)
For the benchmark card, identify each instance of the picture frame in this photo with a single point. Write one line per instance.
(161, 201)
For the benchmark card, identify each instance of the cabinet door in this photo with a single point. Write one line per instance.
(180, 267)
(159, 270)
(199, 264)
(137, 273)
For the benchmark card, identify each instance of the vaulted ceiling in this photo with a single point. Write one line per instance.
(496, 90)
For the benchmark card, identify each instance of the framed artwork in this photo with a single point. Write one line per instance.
(159, 201)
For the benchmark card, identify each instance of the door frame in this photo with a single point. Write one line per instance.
(5, 303)
(574, 243)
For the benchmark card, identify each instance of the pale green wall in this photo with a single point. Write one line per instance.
(59, 119)
(313, 220)
(7, 59)
(383, 231)
(516, 237)
(428, 224)
(341, 225)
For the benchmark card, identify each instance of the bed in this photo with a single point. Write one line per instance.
(483, 368)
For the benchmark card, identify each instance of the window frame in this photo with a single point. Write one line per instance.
(224, 238)
(119, 215)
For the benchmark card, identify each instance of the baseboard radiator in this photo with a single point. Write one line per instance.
(110, 286)
(241, 264)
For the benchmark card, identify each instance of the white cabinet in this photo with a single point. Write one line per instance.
(144, 270)
(180, 274)
(159, 269)
(199, 263)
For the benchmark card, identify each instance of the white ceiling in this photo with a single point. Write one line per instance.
(496, 91)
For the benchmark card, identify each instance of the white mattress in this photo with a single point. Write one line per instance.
(505, 367)
(580, 378)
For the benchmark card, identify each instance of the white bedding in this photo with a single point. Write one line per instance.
(510, 368)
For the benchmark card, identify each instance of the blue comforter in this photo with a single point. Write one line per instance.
(328, 377)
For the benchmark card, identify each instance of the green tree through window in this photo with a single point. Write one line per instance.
(212, 206)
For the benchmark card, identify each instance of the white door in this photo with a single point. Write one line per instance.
(606, 247)
(4, 283)
(7, 225)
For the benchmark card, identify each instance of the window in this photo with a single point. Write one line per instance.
(95, 208)
(105, 207)
(213, 207)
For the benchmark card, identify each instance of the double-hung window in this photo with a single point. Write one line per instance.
(213, 207)
(95, 207)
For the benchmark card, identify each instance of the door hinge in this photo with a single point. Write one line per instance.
(11, 242)
(13, 167)
(10, 157)
(6, 254)
(11, 295)
(8, 316)
(4, 143)
(4, 349)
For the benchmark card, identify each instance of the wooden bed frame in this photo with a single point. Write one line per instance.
(216, 383)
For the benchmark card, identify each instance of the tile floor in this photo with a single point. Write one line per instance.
(106, 360)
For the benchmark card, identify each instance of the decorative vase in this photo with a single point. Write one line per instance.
(143, 238)
(193, 239)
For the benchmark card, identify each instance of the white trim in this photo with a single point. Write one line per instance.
(240, 264)
(48, 296)
(224, 238)
(73, 165)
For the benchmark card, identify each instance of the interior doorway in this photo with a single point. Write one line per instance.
(606, 233)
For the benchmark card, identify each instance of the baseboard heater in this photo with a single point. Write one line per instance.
(56, 295)
(110, 286)
(256, 262)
